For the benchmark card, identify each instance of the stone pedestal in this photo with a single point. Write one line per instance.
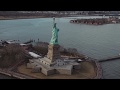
(53, 52)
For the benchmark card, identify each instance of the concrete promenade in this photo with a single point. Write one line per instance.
(15, 74)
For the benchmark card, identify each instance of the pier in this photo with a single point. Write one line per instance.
(109, 58)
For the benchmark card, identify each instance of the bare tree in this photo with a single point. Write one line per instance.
(10, 55)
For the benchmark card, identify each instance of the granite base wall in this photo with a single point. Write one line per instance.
(47, 72)
(63, 71)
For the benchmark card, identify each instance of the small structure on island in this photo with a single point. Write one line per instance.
(53, 63)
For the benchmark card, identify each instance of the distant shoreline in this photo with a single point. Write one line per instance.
(32, 17)
(45, 16)
(19, 17)
(27, 17)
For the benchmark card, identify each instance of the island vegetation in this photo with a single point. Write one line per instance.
(13, 53)
(42, 48)
(10, 55)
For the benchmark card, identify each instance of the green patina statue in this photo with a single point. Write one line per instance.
(54, 39)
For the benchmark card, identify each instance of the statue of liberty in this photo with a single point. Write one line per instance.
(54, 39)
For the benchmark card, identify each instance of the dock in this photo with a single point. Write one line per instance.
(110, 58)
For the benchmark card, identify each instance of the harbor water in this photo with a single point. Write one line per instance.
(96, 41)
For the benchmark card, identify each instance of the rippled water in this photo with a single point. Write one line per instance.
(111, 69)
(99, 42)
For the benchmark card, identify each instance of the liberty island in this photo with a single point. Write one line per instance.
(98, 42)
(53, 63)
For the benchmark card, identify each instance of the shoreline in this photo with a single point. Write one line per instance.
(46, 16)
(20, 17)
(28, 17)
(33, 17)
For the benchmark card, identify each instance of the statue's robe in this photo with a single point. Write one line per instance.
(54, 39)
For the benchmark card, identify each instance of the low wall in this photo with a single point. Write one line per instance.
(98, 68)
(64, 71)
(47, 72)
